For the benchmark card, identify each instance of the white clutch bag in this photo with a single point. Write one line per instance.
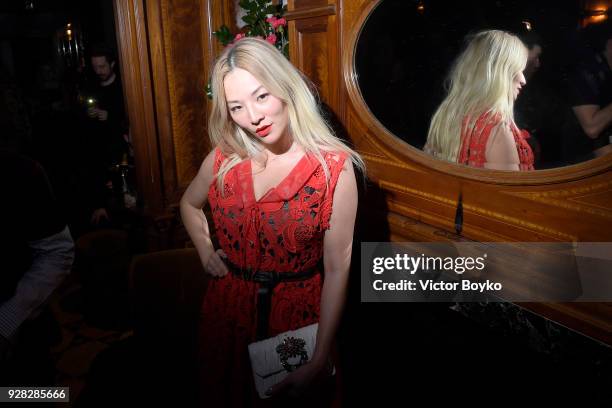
(273, 358)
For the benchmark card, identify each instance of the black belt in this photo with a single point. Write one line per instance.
(267, 281)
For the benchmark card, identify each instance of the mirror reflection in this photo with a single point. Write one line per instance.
(496, 101)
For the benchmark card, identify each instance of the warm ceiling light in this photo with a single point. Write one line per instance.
(597, 15)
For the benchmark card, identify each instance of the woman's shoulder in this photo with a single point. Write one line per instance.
(489, 119)
(501, 147)
(220, 155)
(334, 157)
(501, 133)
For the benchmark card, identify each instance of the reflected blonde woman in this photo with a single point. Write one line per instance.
(475, 125)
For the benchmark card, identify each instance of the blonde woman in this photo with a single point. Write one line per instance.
(474, 125)
(283, 197)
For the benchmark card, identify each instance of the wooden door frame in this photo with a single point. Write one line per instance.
(131, 31)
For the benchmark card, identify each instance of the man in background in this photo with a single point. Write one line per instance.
(591, 97)
(106, 127)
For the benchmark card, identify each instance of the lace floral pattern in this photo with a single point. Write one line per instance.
(283, 231)
(474, 142)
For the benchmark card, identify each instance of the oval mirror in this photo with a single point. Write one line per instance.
(406, 48)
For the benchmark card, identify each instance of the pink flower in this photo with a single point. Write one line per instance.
(239, 36)
(271, 38)
(276, 22)
(280, 22)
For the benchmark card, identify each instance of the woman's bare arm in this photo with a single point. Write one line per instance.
(338, 244)
(501, 153)
(192, 202)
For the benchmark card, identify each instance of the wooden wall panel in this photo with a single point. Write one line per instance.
(167, 49)
(130, 23)
(181, 97)
(314, 47)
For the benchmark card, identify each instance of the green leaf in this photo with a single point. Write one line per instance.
(258, 31)
(223, 34)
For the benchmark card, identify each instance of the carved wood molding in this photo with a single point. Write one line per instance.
(183, 50)
(311, 12)
(133, 44)
(314, 48)
(171, 87)
(593, 199)
(501, 218)
(186, 85)
(163, 95)
(389, 161)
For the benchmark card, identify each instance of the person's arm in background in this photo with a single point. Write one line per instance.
(52, 255)
(585, 99)
(52, 260)
(113, 108)
(593, 119)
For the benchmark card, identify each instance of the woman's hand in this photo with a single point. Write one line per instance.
(301, 380)
(214, 264)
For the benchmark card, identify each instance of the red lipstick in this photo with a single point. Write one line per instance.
(264, 130)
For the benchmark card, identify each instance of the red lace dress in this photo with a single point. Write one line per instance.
(282, 232)
(474, 142)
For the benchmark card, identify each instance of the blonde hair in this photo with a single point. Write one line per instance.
(285, 82)
(479, 82)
